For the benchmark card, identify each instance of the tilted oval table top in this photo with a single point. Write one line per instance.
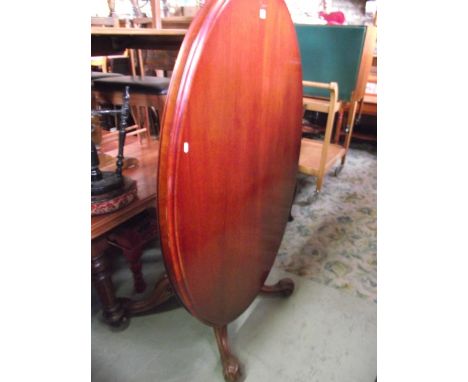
(229, 153)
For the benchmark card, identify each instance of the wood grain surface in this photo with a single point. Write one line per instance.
(229, 153)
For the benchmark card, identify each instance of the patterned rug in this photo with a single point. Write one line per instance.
(333, 240)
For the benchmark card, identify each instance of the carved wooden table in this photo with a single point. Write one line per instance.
(116, 311)
(228, 159)
(110, 41)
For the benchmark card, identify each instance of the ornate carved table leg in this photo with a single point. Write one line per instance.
(113, 312)
(231, 365)
(162, 292)
(133, 257)
(131, 237)
(283, 287)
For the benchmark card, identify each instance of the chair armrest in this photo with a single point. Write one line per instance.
(332, 86)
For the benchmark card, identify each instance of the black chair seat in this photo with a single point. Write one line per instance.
(98, 75)
(145, 85)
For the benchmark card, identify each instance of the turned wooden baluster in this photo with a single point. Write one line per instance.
(113, 312)
(122, 130)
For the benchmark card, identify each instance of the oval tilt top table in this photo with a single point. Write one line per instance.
(228, 159)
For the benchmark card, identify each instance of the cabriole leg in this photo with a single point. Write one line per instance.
(231, 365)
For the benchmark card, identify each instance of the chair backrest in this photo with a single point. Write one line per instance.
(154, 60)
(332, 53)
(176, 22)
(143, 22)
(104, 21)
(160, 60)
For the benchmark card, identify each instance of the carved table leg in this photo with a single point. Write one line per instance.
(131, 237)
(133, 257)
(231, 365)
(283, 287)
(161, 293)
(113, 312)
(291, 218)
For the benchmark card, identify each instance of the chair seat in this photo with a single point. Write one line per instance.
(146, 85)
(98, 75)
(319, 104)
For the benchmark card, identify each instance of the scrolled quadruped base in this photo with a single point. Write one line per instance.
(232, 368)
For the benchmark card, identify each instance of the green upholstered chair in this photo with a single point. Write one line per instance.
(336, 61)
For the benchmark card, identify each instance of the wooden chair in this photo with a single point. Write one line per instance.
(333, 57)
(176, 22)
(113, 21)
(105, 62)
(368, 105)
(147, 92)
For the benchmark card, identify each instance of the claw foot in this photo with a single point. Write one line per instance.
(231, 369)
(231, 365)
(283, 287)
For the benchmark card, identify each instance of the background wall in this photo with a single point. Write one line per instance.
(303, 11)
(354, 10)
(306, 11)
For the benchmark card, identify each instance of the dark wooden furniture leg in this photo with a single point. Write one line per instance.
(131, 237)
(113, 312)
(231, 365)
(116, 311)
(133, 257)
(339, 126)
(162, 292)
(291, 217)
(283, 287)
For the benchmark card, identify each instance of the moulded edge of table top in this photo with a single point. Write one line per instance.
(311, 153)
(102, 223)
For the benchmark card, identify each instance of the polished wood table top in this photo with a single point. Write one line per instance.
(145, 176)
(111, 41)
(230, 145)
